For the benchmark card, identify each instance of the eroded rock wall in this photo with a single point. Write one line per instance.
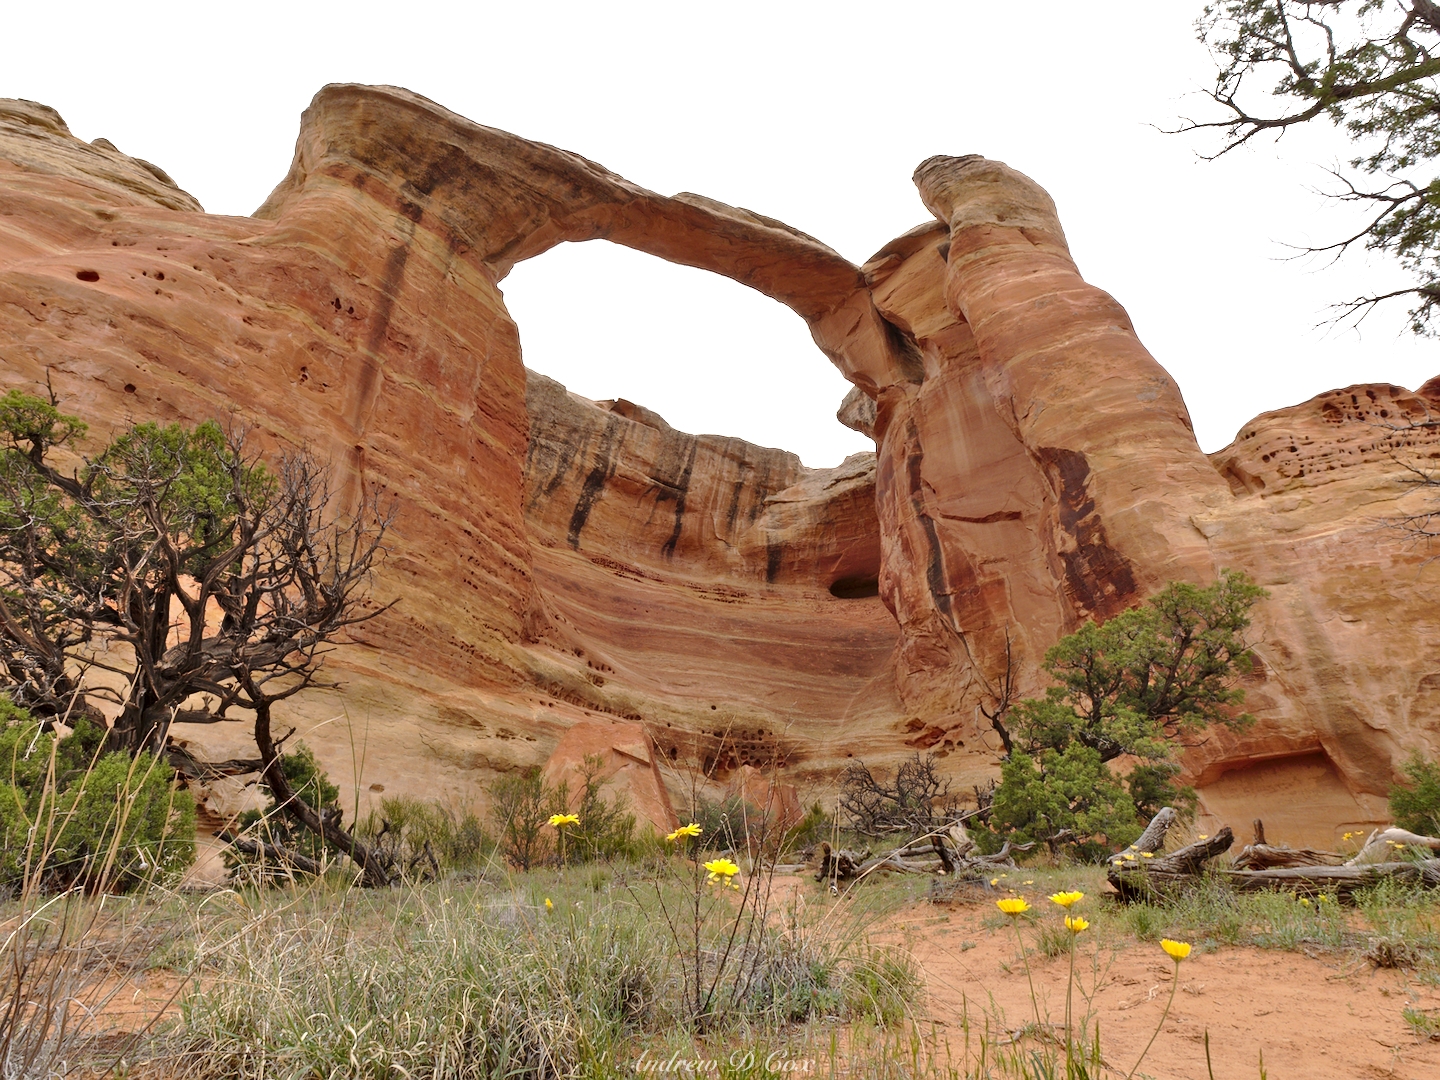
(563, 561)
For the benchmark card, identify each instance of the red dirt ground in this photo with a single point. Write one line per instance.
(1314, 1017)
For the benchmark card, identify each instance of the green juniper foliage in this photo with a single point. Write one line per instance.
(1416, 805)
(1126, 688)
(72, 815)
(1371, 68)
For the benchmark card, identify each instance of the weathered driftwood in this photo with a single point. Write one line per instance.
(1153, 838)
(1336, 881)
(1264, 856)
(1280, 856)
(929, 854)
(1134, 876)
(837, 864)
(1305, 871)
(1383, 844)
(276, 855)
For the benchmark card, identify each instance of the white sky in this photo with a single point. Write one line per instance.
(815, 113)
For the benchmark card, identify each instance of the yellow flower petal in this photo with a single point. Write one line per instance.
(1178, 950)
(1077, 924)
(721, 868)
(557, 820)
(1013, 906)
(1065, 899)
(548, 905)
(1147, 854)
(684, 830)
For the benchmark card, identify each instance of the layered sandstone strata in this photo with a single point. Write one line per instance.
(561, 561)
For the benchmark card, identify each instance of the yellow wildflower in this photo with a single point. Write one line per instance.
(722, 870)
(548, 905)
(1029, 883)
(1013, 906)
(684, 830)
(564, 819)
(994, 881)
(1127, 855)
(1077, 924)
(1177, 950)
(1204, 836)
(1147, 854)
(1305, 900)
(1065, 899)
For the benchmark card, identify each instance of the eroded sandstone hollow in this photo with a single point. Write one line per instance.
(569, 566)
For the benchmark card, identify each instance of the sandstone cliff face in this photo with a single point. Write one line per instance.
(565, 562)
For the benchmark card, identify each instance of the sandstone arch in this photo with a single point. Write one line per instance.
(1034, 464)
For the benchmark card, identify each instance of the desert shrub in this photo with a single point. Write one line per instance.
(814, 827)
(606, 829)
(1124, 688)
(273, 826)
(917, 800)
(1064, 798)
(1416, 805)
(520, 805)
(418, 835)
(722, 823)
(72, 815)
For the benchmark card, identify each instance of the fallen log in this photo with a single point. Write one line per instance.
(1140, 872)
(933, 858)
(275, 854)
(1337, 881)
(1263, 856)
(837, 864)
(1277, 857)
(1135, 876)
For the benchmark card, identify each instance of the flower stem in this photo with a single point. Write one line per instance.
(1069, 987)
(1174, 985)
(1034, 1002)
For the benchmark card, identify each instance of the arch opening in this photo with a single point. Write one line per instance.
(706, 353)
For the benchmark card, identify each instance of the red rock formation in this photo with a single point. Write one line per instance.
(564, 561)
(628, 766)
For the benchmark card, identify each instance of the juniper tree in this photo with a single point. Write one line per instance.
(208, 583)
(1130, 687)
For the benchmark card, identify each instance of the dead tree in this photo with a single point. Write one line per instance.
(1004, 697)
(916, 801)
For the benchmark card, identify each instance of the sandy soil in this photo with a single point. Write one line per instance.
(1314, 1017)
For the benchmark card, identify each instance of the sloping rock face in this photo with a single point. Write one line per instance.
(561, 561)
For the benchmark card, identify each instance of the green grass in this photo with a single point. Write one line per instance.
(483, 979)
(475, 976)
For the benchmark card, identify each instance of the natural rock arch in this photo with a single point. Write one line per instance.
(1035, 466)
